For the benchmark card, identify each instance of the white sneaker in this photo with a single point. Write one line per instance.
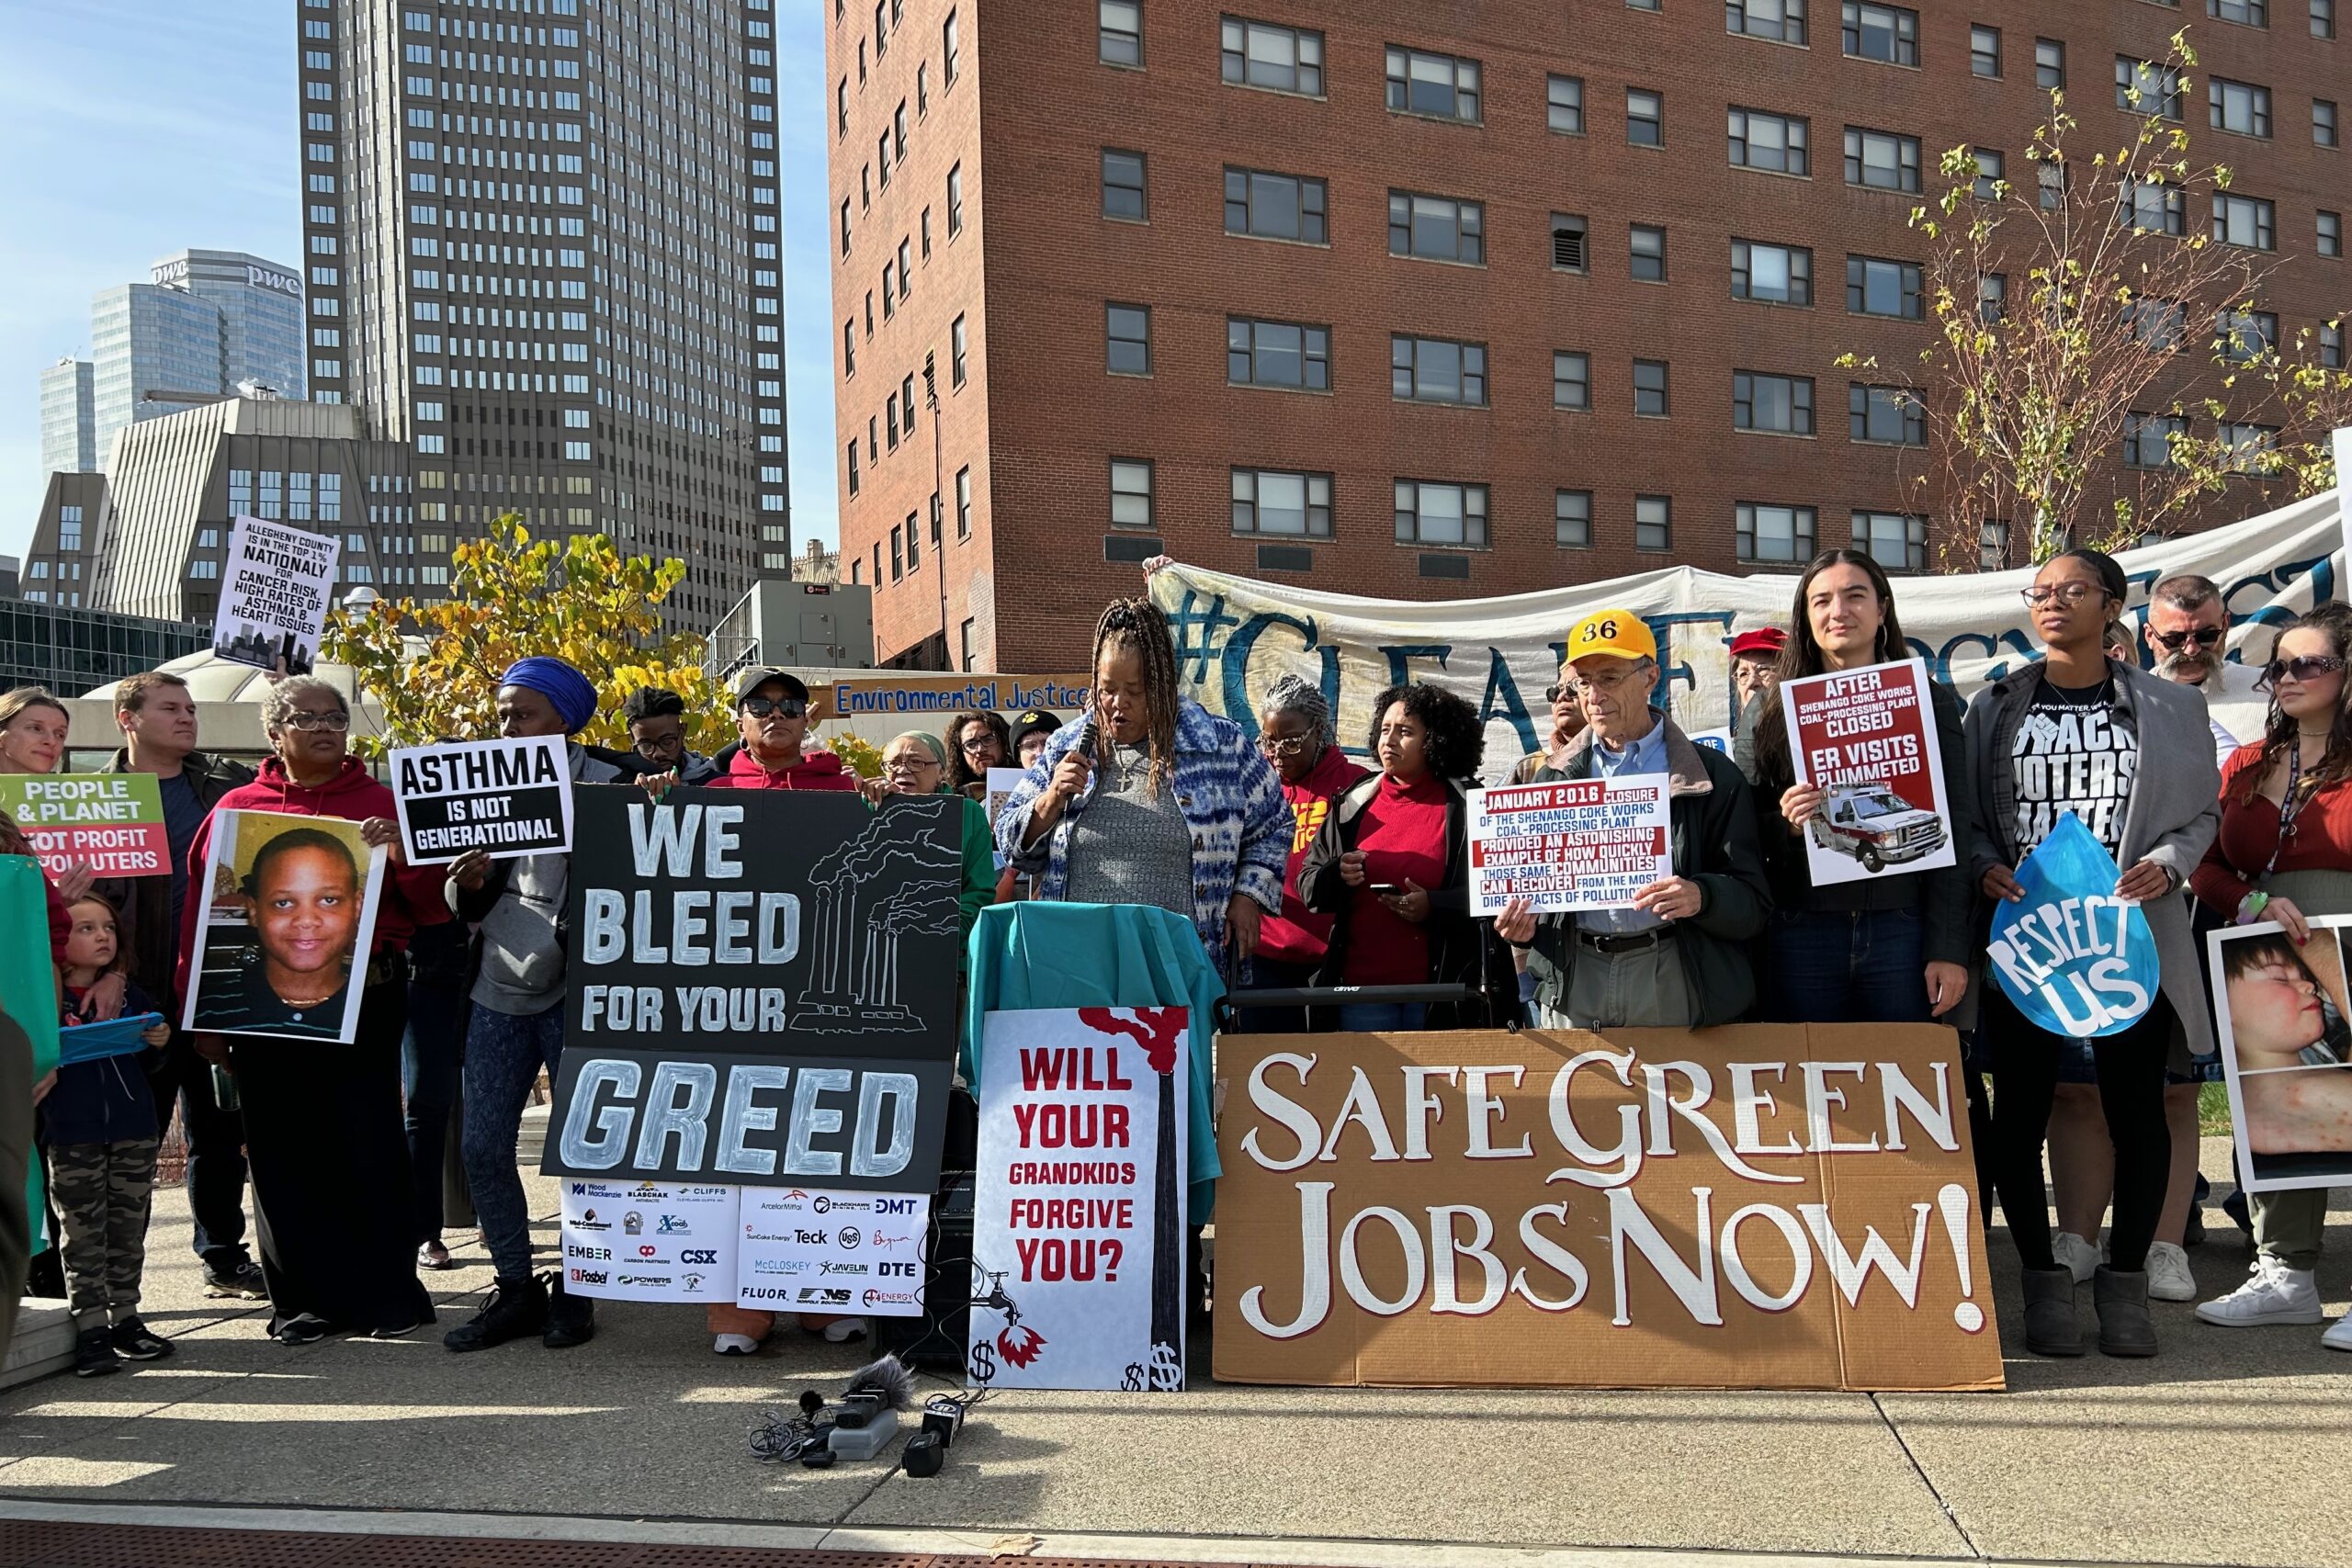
(841, 1330)
(2169, 1276)
(2272, 1293)
(734, 1344)
(2075, 1255)
(2339, 1334)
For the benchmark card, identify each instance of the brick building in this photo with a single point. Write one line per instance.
(1441, 302)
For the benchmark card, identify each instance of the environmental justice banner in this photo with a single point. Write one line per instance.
(804, 1249)
(1235, 636)
(1756, 1206)
(1078, 1218)
(290, 918)
(2076, 959)
(1579, 845)
(886, 693)
(113, 823)
(1867, 739)
(649, 1241)
(274, 588)
(511, 797)
(760, 988)
(2286, 1052)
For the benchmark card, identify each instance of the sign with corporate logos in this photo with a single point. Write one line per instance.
(649, 1241)
(814, 1250)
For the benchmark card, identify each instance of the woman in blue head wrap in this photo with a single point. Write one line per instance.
(570, 696)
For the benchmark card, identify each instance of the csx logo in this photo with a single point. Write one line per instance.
(894, 1205)
(705, 1258)
(887, 1269)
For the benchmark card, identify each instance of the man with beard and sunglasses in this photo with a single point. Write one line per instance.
(2188, 634)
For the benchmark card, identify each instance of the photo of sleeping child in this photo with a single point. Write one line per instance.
(2282, 1017)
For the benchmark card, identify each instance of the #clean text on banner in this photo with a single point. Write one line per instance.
(1077, 1227)
(1867, 739)
(113, 823)
(1576, 844)
(274, 588)
(511, 797)
(809, 1249)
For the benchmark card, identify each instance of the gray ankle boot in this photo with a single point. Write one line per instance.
(2124, 1326)
(2049, 1326)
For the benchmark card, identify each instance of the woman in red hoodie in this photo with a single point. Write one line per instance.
(1295, 732)
(324, 1134)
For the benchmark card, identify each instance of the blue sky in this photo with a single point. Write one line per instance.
(131, 128)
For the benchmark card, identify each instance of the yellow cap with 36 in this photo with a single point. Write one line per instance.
(1620, 633)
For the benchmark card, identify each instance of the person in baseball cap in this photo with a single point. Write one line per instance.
(1755, 664)
(1030, 733)
(1676, 957)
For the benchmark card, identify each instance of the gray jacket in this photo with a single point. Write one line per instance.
(521, 939)
(2172, 816)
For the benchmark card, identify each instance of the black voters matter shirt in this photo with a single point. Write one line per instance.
(2074, 752)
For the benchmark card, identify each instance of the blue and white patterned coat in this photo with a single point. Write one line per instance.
(1231, 798)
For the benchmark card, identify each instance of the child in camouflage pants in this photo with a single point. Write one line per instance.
(102, 1132)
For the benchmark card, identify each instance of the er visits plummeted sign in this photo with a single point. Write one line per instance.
(1867, 739)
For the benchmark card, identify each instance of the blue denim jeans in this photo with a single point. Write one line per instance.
(1382, 1017)
(504, 1054)
(1828, 968)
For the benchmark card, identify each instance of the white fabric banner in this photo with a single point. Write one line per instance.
(1236, 634)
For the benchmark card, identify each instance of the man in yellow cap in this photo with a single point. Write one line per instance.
(1677, 957)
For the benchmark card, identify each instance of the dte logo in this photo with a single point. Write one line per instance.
(894, 1205)
(705, 1257)
(885, 1270)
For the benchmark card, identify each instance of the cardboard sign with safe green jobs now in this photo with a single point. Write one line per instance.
(1765, 1206)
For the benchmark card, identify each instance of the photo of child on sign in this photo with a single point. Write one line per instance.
(2287, 1052)
(292, 903)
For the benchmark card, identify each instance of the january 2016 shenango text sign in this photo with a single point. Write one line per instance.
(113, 823)
(1578, 844)
(1761, 1206)
(1867, 739)
(510, 797)
(760, 988)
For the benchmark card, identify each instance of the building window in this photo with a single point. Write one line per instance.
(1645, 118)
(2244, 220)
(1431, 513)
(2322, 18)
(957, 344)
(1649, 253)
(964, 502)
(1280, 59)
(1992, 297)
(1128, 330)
(2147, 439)
(1771, 275)
(1571, 380)
(1896, 541)
(1277, 354)
(1441, 86)
(1768, 533)
(2245, 13)
(951, 51)
(1993, 545)
(2323, 122)
(1274, 206)
(2331, 234)
(906, 269)
(898, 555)
(2238, 107)
(1572, 519)
(1887, 33)
(2154, 208)
(2157, 324)
(1121, 32)
(2331, 344)
(1776, 405)
(1649, 388)
(1783, 21)
(1436, 228)
(1437, 370)
(955, 201)
(2241, 336)
(1267, 500)
(1564, 105)
(2251, 449)
(2049, 65)
(1984, 51)
(1122, 186)
(1130, 492)
(1876, 286)
(2143, 87)
(1653, 523)
(1989, 173)
(1568, 248)
(1881, 160)
(1890, 416)
(1777, 143)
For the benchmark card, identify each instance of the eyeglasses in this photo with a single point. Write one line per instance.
(2203, 637)
(2068, 594)
(311, 721)
(1566, 689)
(2309, 667)
(915, 759)
(760, 707)
(1613, 681)
(971, 745)
(1281, 745)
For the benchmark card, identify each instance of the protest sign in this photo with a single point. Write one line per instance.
(1077, 1219)
(2076, 959)
(1578, 844)
(274, 592)
(511, 797)
(289, 915)
(124, 1036)
(1235, 636)
(111, 822)
(760, 988)
(2280, 1015)
(1867, 739)
(649, 1241)
(1002, 782)
(808, 1250)
(1756, 1206)
(889, 694)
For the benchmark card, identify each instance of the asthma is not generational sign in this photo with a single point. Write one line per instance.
(510, 797)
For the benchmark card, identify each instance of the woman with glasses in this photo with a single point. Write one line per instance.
(1295, 732)
(1889, 950)
(2131, 757)
(2284, 854)
(914, 765)
(976, 743)
(323, 1133)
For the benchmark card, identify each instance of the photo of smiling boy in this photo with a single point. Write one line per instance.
(280, 937)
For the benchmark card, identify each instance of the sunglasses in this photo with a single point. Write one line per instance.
(2309, 667)
(760, 707)
(2203, 637)
(1554, 693)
